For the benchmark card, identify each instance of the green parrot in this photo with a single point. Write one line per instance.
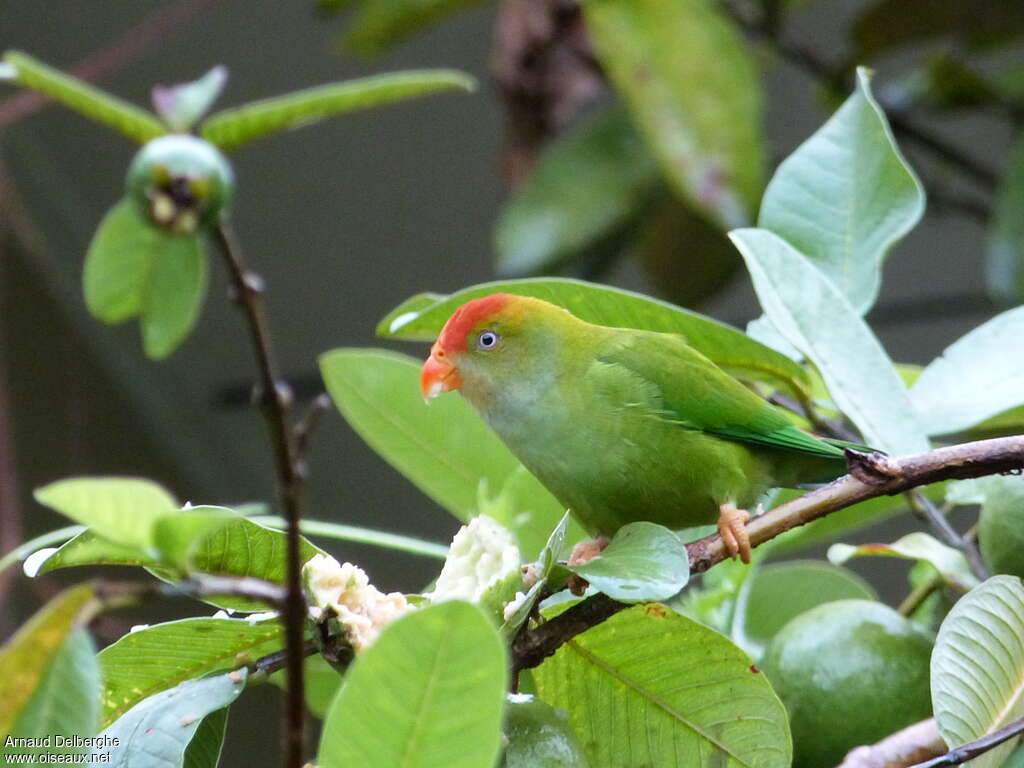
(620, 424)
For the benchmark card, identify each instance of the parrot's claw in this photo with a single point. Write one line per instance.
(582, 553)
(732, 527)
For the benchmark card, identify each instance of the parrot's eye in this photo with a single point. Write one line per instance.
(487, 340)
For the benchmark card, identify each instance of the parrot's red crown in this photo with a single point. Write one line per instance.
(467, 317)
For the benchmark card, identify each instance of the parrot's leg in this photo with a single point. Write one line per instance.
(732, 527)
(584, 552)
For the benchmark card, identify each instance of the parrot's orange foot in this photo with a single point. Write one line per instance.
(732, 527)
(583, 553)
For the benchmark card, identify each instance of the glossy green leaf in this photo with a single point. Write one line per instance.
(588, 185)
(774, 594)
(121, 509)
(686, 77)
(204, 749)
(87, 100)
(429, 692)
(692, 697)
(66, 701)
(176, 534)
(234, 127)
(949, 562)
(975, 378)
(1001, 524)
(408, 310)
(243, 548)
(156, 732)
(889, 24)
(174, 294)
(846, 196)
(443, 448)
(27, 657)
(729, 348)
(977, 666)
(818, 320)
(155, 658)
(182, 106)
(643, 562)
(379, 24)
(133, 268)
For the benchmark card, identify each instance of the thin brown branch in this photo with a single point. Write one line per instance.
(117, 593)
(275, 398)
(304, 429)
(940, 524)
(973, 749)
(917, 742)
(871, 475)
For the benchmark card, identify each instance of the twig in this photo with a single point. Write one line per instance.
(272, 662)
(321, 404)
(938, 522)
(115, 593)
(871, 475)
(275, 397)
(917, 742)
(971, 750)
(919, 594)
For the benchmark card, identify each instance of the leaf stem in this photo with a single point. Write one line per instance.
(275, 398)
(919, 594)
(871, 476)
(924, 507)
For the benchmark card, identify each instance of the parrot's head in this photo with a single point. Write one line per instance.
(493, 343)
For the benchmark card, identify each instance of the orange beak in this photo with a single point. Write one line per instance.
(438, 374)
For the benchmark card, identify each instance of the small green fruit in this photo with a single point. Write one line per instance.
(850, 672)
(539, 736)
(180, 182)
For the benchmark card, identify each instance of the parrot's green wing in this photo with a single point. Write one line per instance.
(682, 386)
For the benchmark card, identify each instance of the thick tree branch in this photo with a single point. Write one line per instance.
(917, 742)
(275, 398)
(871, 475)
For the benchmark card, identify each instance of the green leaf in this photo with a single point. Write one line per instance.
(893, 23)
(174, 294)
(182, 106)
(977, 667)
(33, 545)
(846, 196)
(359, 535)
(408, 310)
(121, 509)
(204, 749)
(429, 692)
(975, 378)
(156, 732)
(234, 127)
(692, 697)
(587, 186)
(818, 320)
(380, 24)
(243, 548)
(27, 658)
(89, 548)
(97, 105)
(774, 594)
(643, 562)
(687, 79)
(445, 449)
(727, 347)
(133, 268)
(1001, 524)
(949, 562)
(66, 701)
(544, 567)
(175, 535)
(155, 658)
